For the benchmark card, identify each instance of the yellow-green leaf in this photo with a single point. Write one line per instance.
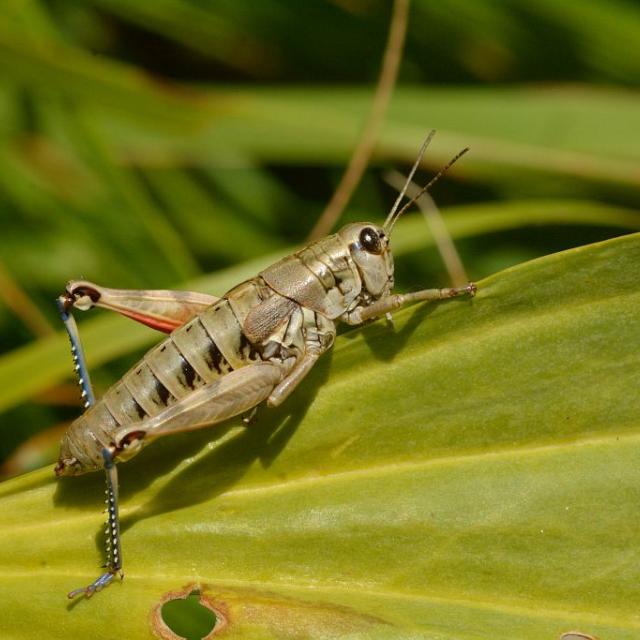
(472, 473)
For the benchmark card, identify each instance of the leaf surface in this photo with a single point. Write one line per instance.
(472, 473)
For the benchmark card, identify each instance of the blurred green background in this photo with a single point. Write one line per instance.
(149, 143)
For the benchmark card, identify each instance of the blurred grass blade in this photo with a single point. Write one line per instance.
(470, 474)
(133, 198)
(53, 66)
(478, 40)
(36, 367)
(577, 131)
(207, 224)
(200, 28)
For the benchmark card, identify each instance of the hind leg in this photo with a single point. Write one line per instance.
(112, 533)
(231, 395)
(113, 550)
(160, 309)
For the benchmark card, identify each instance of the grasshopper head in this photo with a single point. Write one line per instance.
(369, 247)
(369, 243)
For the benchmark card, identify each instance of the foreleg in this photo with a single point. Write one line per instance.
(397, 300)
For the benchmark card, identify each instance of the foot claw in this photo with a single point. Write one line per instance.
(97, 585)
(471, 289)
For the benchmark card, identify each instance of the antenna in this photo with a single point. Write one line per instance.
(416, 164)
(391, 219)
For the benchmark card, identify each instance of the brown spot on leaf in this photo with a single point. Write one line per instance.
(255, 611)
(218, 607)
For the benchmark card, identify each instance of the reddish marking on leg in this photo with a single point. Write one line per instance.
(159, 324)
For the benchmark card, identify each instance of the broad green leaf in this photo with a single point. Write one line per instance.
(472, 473)
(36, 367)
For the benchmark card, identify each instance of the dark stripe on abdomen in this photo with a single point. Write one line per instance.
(147, 389)
(223, 328)
(173, 369)
(213, 356)
(195, 346)
(188, 372)
(122, 406)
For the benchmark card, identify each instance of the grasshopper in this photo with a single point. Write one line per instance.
(224, 356)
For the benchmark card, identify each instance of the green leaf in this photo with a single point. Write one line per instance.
(38, 366)
(472, 473)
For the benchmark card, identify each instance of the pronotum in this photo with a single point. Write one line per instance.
(224, 356)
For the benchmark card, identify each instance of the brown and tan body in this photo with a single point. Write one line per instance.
(241, 348)
(250, 326)
(224, 356)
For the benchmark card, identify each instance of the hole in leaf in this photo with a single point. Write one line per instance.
(187, 618)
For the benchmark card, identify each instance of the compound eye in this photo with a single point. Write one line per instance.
(370, 241)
